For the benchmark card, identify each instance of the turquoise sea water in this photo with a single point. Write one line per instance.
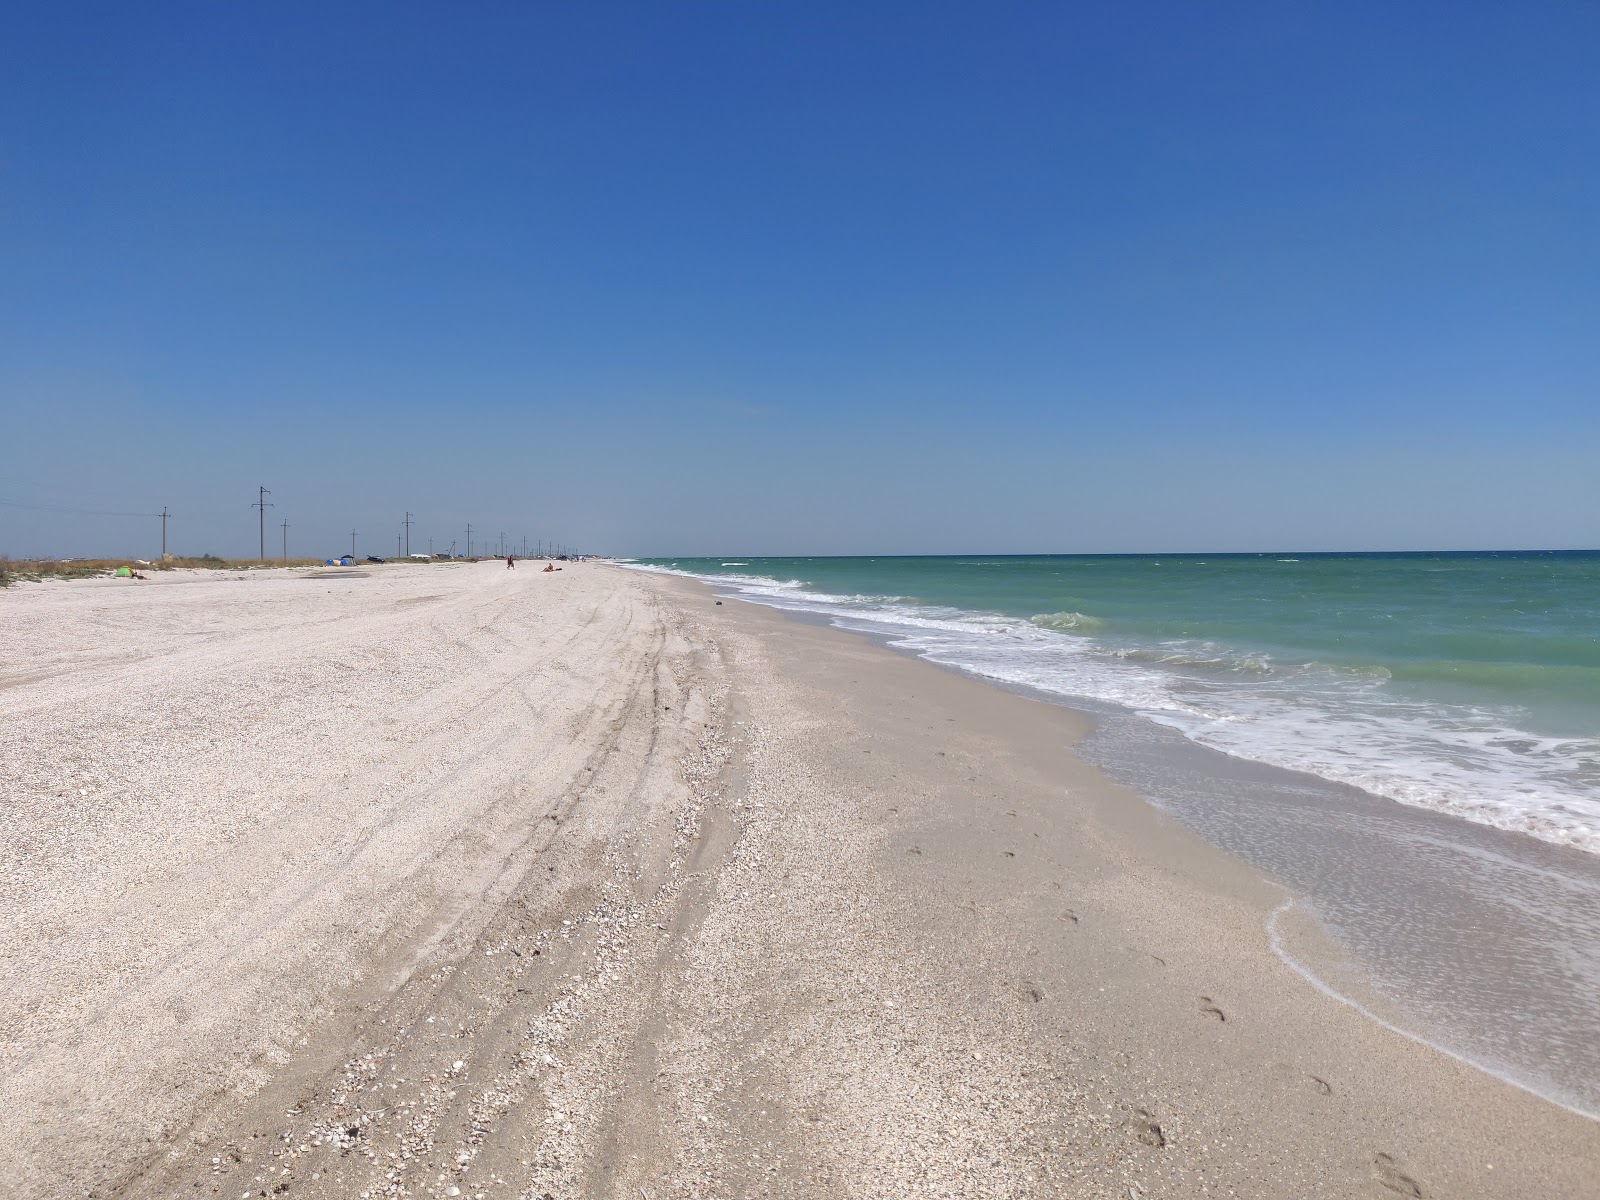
(1467, 683)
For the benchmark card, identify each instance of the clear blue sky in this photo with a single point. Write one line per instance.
(807, 278)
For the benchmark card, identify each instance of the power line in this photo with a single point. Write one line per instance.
(261, 503)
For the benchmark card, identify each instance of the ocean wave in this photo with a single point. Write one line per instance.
(1197, 655)
(1067, 621)
(1351, 670)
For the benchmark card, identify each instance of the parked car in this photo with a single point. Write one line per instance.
(374, 558)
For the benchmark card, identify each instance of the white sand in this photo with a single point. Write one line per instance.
(235, 802)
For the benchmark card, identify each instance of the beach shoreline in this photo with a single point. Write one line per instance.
(673, 897)
(1478, 941)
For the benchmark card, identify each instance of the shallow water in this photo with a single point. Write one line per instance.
(1487, 944)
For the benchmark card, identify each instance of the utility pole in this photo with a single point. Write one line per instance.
(430, 547)
(286, 541)
(407, 524)
(262, 505)
(352, 543)
(163, 533)
(469, 541)
(502, 541)
(397, 545)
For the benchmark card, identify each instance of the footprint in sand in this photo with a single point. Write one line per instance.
(1392, 1177)
(1321, 1084)
(1068, 915)
(1142, 1124)
(1210, 1009)
(1030, 992)
(1009, 853)
(913, 849)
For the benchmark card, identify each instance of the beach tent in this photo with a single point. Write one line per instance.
(124, 573)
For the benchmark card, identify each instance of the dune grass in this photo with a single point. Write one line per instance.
(35, 570)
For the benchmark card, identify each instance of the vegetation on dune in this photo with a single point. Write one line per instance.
(35, 570)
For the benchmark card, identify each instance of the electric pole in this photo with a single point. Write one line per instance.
(352, 543)
(262, 505)
(163, 533)
(469, 541)
(286, 541)
(397, 545)
(502, 541)
(407, 524)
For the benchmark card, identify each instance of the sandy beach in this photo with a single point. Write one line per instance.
(448, 880)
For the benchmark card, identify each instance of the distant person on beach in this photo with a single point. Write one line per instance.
(511, 563)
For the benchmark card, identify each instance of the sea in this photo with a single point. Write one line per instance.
(1409, 742)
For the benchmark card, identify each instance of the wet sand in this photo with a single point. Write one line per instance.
(448, 877)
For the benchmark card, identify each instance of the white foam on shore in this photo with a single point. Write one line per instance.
(1347, 726)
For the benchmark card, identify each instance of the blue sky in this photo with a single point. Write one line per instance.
(802, 278)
